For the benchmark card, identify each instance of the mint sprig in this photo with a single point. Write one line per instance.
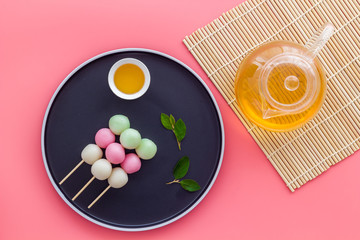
(180, 170)
(177, 127)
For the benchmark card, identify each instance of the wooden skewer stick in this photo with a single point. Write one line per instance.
(83, 188)
(71, 172)
(98, 197)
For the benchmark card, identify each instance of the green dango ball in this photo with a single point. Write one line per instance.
(147, 149)
(130, 138)
(118, 124)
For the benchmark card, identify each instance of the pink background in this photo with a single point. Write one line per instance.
(41, 41)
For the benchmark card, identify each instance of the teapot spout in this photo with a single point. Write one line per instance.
(270, 113)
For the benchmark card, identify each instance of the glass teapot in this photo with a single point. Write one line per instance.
(281, 85)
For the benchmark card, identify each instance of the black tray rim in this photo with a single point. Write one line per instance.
(136, 229)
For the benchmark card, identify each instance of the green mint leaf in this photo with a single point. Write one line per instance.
(172, 120)
(180, 130)
(190, 185)
(181, 168)
(165, 120)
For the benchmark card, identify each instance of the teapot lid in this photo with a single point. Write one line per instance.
(289, 84)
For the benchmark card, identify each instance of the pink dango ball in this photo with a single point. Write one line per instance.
(104, 137)
(131, 164)
(115, 153)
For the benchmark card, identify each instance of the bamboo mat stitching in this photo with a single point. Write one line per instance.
(345, 66)
(209, 35)
(322, 161)
(314, 126)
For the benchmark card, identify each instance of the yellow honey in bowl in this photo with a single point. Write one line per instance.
(129, 78)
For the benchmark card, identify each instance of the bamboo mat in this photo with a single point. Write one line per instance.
(300, 155)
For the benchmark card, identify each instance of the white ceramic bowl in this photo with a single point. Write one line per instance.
(116, 91)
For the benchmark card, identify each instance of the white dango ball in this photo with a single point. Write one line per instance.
(119, 123)
(101, 169)
(118, 178)
(91, 153)
(130, 138)
(147, 149)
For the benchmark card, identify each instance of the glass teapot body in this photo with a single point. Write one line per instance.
(280, 86)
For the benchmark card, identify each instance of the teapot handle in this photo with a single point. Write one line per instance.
(319, 39)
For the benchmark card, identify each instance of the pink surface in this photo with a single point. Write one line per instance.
(42, 41)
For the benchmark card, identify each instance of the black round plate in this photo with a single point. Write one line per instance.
(84, 103)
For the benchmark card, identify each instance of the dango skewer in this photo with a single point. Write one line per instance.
(131, 164)
(117, 179)
(93, 152)
(89, 154)
(101, 170)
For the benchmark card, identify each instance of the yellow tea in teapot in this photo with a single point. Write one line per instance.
(280, 86)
